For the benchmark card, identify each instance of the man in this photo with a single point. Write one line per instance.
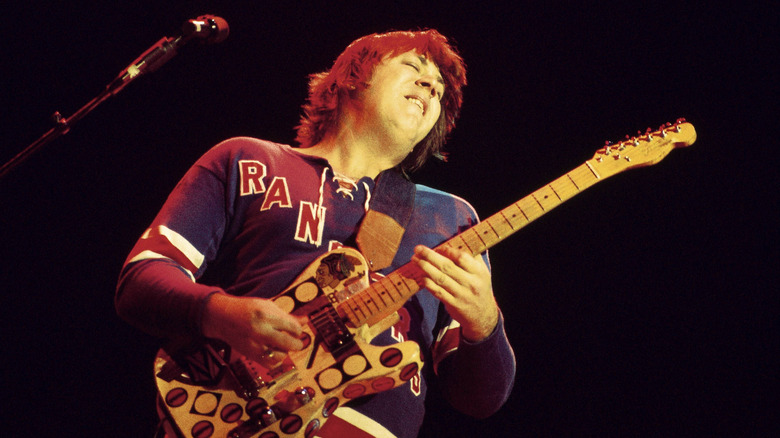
(250, 215)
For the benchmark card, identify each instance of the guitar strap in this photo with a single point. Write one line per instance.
(385, 221)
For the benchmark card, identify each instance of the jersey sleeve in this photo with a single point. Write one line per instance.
(156, 291)
(477, 378)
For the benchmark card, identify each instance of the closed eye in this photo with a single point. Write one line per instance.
(438, 87)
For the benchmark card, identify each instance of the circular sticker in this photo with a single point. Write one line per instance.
(176, 397)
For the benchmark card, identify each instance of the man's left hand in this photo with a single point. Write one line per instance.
(462, 283)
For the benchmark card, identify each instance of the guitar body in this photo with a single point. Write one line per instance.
(206, 392)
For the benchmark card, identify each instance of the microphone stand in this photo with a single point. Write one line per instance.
(152, 59)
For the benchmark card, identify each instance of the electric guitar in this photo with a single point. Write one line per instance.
(209, 393)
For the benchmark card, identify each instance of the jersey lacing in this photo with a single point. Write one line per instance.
(346, 184)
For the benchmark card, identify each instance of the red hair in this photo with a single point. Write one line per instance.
(352, 70)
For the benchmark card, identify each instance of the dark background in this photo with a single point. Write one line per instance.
(647, 306)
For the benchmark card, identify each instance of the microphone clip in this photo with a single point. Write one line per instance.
(211, 29)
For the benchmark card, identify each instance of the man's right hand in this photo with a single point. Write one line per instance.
(251, 325)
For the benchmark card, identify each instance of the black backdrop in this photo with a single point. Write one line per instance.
(645, 306)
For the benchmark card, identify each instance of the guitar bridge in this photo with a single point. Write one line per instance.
(250, 381)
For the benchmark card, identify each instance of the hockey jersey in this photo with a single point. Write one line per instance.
(249, 216)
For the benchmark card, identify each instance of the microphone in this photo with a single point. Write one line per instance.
(211, 29)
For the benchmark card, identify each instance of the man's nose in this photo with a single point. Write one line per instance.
(427, 82)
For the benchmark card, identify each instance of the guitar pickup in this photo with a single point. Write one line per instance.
(332, 330)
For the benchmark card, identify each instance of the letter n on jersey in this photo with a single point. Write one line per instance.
(311, 222)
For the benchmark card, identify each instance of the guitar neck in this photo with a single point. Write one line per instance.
(387, 295)
(511, 219)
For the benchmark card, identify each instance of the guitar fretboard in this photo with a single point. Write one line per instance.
(387, 295)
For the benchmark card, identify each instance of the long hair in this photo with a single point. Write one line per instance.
(350, 75)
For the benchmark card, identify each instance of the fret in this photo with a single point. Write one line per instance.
(354, 304)
(411, 287)
(344, 309)
(568, 175)
(503, 214)
(489, 222)
(406, 279)
(481, 233)
(593, 170)
(501, 229)
(537, 201)
(565, 187)
(585, 176)
(530, 208)
(475, 245)
(388, 284)
(546, 198)
(402, 285)
(553, 190)
(513, 216)
(462, 237)
(525, 215)
(370, 298)
(381, 293)
(527, 219)
(505, 219)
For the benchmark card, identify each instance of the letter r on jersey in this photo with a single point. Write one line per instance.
(252, 173)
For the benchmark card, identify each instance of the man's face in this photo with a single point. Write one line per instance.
(403, 99)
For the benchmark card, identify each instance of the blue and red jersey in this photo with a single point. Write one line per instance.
(249, 216)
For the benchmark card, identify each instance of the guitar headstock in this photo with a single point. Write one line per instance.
(644, 149)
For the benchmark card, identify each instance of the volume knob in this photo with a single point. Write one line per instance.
(303, 395)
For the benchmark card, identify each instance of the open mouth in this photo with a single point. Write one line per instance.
(417, 101)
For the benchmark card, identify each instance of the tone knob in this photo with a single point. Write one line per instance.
(303, 395)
